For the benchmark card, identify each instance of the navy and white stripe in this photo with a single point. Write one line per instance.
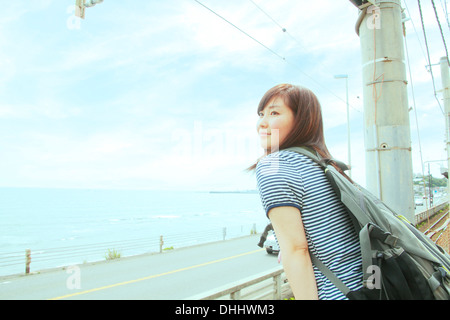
(287, 178)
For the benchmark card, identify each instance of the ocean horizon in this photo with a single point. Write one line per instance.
(74, 226)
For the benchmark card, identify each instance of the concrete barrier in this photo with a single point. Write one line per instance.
(429, 213)
(269, 285)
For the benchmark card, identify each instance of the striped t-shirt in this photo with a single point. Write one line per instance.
(288, 178)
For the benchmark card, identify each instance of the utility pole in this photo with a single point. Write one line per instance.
(389, 173)
(446, 92)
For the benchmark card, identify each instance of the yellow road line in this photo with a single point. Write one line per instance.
(152, 276)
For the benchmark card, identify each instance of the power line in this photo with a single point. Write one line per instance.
(279, 25)
(415, 30)
(428, 54)
(273, 52)
(444, 7)
(415, 108)
(285, 31)
(440, 28)
(257, 41)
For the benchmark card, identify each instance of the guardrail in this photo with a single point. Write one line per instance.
(29, 260)
(420, 217)
(273, 284)
(269, 285)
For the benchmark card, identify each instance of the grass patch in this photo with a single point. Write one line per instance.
(112, 254)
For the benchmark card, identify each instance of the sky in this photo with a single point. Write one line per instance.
(163, 94)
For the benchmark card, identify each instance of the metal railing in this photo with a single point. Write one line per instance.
(273, 284)
(30, 260)
(269, 285)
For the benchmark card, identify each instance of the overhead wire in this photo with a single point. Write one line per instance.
(444, 7)
(279, 25)
(284, 30)
(415, 114)
(235, 26)
(428, 55)
(415, 30)
(440, 28)
(273, 52)
(427, 58)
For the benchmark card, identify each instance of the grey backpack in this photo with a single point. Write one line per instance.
(399, 262)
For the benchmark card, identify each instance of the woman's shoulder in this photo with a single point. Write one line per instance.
(285, 158)
(283, 165)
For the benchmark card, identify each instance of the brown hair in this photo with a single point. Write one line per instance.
(308, 129)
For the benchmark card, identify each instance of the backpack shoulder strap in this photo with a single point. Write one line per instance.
(312, 154)
(357, 215)
(330, 275)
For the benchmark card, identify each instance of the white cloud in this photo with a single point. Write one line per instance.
(119, 101)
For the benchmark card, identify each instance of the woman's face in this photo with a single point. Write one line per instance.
(275, 122)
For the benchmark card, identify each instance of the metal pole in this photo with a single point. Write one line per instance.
(387, 129)
(430, 191)
(27, 261)
(277, 287)
(446, 92)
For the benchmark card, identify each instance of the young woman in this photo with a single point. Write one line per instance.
(305, 213)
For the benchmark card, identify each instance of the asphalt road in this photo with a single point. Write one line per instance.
(173, 275)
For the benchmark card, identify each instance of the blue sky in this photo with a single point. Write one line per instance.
(163, 94)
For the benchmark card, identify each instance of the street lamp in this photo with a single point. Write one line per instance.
(91, 3)
(345, 76)
(81, 5)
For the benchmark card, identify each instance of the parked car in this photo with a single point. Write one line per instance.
(271, 243)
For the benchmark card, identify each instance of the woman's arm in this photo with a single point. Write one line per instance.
(288, 227)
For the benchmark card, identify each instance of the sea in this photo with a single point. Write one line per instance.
(63, 227)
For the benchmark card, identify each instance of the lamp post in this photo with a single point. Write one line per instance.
(345, 76)
(80, 6)
(430, 180)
